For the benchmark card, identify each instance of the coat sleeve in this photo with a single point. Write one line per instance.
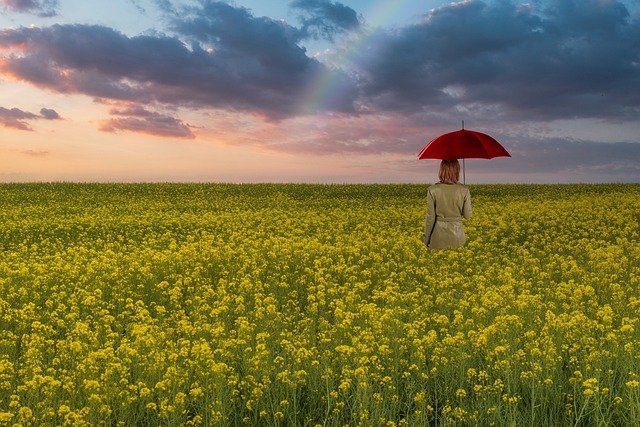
(430, 219)
(466, 206)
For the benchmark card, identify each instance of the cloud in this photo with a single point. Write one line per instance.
(44, 8)
(140, 120)
(49, 114)
(553, 155)
(495, 62)
(17, 118)
(259, 69)
(34, 153)
(574, 58)
(324, 18)
(340, 134)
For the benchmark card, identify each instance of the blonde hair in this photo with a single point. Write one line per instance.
(449, 171)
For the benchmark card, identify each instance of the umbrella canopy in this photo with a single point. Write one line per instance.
(463, 144)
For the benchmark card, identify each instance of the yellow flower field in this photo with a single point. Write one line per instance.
(316, 305)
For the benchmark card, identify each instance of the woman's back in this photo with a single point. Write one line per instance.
(451, 199)
(447, 204)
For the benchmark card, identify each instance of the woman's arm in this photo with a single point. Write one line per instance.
(466, 207)
(430, 218)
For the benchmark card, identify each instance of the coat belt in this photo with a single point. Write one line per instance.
(449, 219)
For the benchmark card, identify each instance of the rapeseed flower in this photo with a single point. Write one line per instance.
(211, 304)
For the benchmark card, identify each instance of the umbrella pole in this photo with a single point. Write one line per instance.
(464, 175)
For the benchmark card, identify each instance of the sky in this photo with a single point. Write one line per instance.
(317, 91)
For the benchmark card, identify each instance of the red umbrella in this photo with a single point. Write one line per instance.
(463, 144)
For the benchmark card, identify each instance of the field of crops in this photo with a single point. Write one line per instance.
(317, 305)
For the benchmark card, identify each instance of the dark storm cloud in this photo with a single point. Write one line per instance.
(140, 120)
(225, 58)
(257, 51)
(18, 119)
(575, 58)
(44, 8)
(324, 18)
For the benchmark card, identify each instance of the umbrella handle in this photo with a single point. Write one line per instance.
(464, 175)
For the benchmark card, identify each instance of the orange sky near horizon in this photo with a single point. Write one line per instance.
(227, 147)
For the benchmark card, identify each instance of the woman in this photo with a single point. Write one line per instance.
(447, 203)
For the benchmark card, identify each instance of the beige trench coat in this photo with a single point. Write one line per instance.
(447, 204)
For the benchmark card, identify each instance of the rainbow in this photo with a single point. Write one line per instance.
(327, 88)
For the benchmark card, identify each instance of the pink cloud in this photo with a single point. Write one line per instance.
(17, 119)
(139, 120)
